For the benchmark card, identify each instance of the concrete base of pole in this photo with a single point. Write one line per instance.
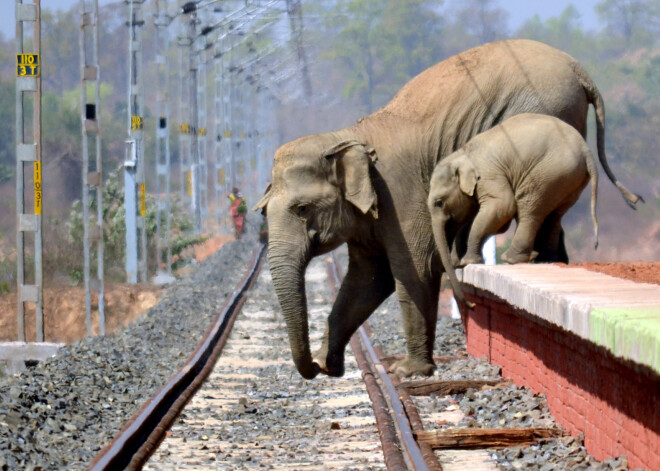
(163, 278)
(13, 355)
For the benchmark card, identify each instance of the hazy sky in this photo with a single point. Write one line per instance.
(519, 10)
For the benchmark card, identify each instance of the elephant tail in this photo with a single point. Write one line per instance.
(592, 169)
(594, 97)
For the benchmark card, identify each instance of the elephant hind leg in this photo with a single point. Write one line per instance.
(522, 245)
(419, 308)
(550, 239)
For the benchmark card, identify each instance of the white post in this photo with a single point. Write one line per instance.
(488, 251)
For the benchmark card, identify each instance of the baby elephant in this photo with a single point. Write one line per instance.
(529, 167)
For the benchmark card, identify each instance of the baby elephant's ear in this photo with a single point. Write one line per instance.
(263, 201)
(467, 176)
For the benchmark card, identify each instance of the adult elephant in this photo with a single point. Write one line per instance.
(367, 185)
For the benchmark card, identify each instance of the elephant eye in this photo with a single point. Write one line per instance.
(302, 210)
(439, 203)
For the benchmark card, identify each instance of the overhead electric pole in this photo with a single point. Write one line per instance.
(92, 176)
(163, 171)
(134, 182)
(294, 10)
(28, 150)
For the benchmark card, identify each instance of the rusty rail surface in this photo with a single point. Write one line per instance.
(400, 449)
(144, 431)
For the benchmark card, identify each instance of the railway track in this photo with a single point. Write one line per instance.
(231, 423)
(254, 410)
(139, 438)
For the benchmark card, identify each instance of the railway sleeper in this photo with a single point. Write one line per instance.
(479, 438)
(424, 387)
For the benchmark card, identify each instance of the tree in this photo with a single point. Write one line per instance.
(408, 42)
(634, 20)
(381, 44)
(563, 32)
(483, 20)
(7, 135)
(354, 46)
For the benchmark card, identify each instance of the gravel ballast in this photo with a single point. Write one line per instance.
(61, 412)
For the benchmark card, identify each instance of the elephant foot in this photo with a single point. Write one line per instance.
(331, 365)
(412, 366)
(519, 257)
(468, 259)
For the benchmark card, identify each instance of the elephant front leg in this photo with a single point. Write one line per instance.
(419, 308)
(492, 216)
(366, 285)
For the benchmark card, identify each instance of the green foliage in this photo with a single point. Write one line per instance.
(634, 21)
(114, 229)
(483, 20)
(384, 45)
(7, 173)
(77, 276)
(7, 133)
(563, 32)
(7, 274)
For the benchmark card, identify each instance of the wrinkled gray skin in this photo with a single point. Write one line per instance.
(367, 186)
(528, 167)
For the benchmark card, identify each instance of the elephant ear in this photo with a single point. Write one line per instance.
(263, 201)
(351, 162)
(467, 176)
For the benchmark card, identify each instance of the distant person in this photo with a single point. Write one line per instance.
(238, 210)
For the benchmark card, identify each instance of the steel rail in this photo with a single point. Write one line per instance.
(411, 411)
(144, 431)
(413, 455)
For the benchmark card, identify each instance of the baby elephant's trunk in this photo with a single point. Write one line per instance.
(443, 248)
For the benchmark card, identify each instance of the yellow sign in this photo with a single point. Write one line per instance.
(221, 177)
(227, 133)
(184, 128)
(202, 131)
(37, 188)
(189, 182)
(27, 65)
(143, 199)
(137, 123)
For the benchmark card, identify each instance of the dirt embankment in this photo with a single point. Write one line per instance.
(64, 311)
(640, 272)
(64, 306)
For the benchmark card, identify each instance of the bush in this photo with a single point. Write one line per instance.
(114, 228)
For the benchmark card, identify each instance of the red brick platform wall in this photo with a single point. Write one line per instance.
(616, 404)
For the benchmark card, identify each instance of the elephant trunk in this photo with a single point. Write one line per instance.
(443, 247)
(287, 264)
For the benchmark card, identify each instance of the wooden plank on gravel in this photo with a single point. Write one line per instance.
(388, 360)
(424, 387)
(474, 438)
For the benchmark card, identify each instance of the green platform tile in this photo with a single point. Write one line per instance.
(631, 333)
